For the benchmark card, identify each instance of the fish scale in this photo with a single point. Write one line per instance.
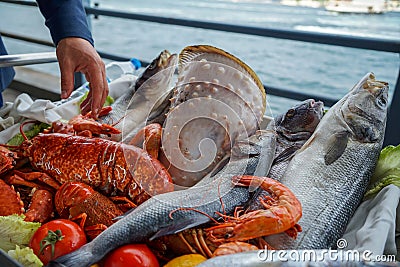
(325, 220)
(330, 173)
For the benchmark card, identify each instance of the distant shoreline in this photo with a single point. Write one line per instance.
(348, 6)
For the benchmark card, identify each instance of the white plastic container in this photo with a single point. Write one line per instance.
(116, 69)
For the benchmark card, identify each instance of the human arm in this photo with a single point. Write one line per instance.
(66, 20)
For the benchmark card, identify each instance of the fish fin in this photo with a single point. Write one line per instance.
(337, 144)
(117, 218)
(181, 225)
(190, 53)
(265, 159)
(287, 153)
(186, 56)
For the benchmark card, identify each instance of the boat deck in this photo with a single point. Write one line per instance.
(35, 83)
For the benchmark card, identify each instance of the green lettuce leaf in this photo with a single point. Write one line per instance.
(36, 129)
(387, 171)
(108, 102)
(387, 180)
(25, 256)
(15, 231)
(388, 159)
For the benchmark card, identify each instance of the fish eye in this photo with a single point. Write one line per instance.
(153, 64)
(290, 113)
(381, 102)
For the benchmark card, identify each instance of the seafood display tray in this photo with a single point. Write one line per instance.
(7, 261)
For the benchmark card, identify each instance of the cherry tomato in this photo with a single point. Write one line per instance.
(57, 238)
(131, 255)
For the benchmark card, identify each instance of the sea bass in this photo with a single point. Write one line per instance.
(173, 212)
(146, 100)
(330, 173)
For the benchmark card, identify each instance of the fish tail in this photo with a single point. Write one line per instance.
(77, 258)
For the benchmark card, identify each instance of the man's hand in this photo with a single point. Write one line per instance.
(78, 55)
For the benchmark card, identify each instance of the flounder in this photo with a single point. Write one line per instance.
(217, 100)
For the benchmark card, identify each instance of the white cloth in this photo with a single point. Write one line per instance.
(5, 120)
(25, 108)
(375, 225)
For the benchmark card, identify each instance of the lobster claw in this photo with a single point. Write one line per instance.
(10, 201)
(83, 123)
(7, 159)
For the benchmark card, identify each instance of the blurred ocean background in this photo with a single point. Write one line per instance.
(298, 66)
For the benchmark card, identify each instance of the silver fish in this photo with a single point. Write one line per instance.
(293, 128)
(299, 258)
(331, 171)
(145, 100)
(250, 156)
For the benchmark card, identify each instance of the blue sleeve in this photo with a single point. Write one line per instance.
(65, 18)
(6, 73)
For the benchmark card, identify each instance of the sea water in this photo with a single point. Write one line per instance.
(298, 66)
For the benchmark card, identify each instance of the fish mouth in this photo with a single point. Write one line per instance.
(317, 107)
(369, 83)
(378, 89)
(165, 59)
(365, 109)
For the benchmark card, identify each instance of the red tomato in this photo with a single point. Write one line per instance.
(64, 236)
(131, 255)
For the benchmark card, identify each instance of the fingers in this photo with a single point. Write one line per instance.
(98, 88)
(98, 91)
(86, 105)
(67, 77)
(78, 55)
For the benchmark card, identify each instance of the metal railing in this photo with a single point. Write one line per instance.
(27, 59)
(392, 135)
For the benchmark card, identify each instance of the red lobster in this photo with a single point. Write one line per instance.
(110, 167)
(40, 207)
(78, 201)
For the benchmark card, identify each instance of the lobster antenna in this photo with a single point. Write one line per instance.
(120, 119)
(220, 198)
(9, 146)
(21, 128)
